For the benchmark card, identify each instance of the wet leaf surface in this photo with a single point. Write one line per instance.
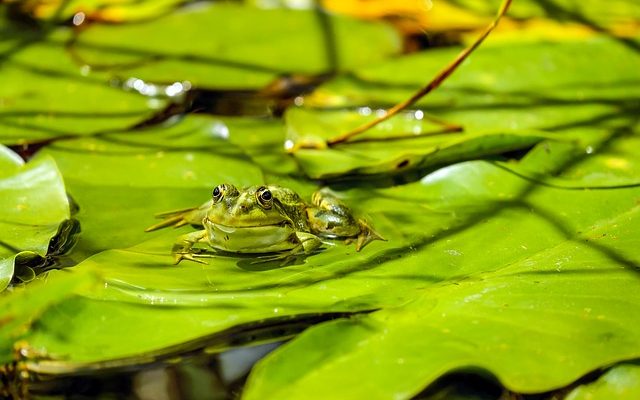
(58, 98)
(23, 307)
(266, 45)
(484, 96)
(33, 205)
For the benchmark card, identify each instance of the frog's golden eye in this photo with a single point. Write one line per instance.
(265, 198)
(218, 193)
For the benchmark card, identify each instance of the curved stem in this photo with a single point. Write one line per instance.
(435, 82)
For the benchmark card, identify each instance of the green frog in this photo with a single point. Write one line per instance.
(265, 219)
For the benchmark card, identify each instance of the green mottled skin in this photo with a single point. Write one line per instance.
(265, 219)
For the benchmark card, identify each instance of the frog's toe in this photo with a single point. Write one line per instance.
(177, 257)
(367, 235)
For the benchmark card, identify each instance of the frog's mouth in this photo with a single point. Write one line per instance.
(236, 227)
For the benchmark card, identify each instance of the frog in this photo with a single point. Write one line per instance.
(265, 219)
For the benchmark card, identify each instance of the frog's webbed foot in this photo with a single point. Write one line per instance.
(178, 218)
(191, 256)
(183, 248)
(367, 235)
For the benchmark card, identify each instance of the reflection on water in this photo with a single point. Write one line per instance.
(204, 376)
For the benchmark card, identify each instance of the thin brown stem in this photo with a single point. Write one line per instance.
(435, 82)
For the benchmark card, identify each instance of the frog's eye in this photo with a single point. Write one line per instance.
(218, 192)
(264, 197)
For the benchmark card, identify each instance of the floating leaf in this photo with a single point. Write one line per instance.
(22, 307)
(488, 91)
(566, 93)
(567, 299)
(396, 146)
(232, 50)
(10, 162)
(32, 207)
(40, 101)
(431, 228)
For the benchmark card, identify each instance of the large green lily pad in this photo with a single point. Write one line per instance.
(567, 299)
(432, 261)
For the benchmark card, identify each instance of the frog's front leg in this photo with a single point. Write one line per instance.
(308, 242)
(182, 249)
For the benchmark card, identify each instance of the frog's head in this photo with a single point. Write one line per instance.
(250, 207)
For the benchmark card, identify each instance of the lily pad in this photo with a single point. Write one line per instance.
(34, 205)
(22, 307)
(59, 98)
(566, 299)
(434, 253)
(393, 147)
(10, 162)
(566, 94)
(236, 48)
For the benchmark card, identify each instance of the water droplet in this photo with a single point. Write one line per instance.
(174, 89)
(78, 18)
(220, 130)
(288, 144)
(135, 83)
(364, 111)
(381, 113)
